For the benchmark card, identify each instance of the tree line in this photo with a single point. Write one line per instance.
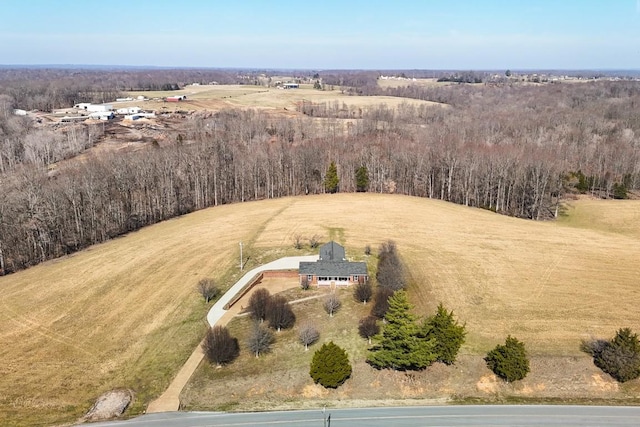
(513, 150)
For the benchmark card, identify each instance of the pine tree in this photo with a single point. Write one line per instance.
(331, 180)
(509, 361)
(401, 346)
(447, 333)
(330, 366)
(362, 179)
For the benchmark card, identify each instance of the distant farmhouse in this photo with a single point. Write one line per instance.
(332, 268)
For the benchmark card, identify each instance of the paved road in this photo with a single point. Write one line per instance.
(412, 416)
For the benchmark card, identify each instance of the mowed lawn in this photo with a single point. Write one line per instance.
(126, 314)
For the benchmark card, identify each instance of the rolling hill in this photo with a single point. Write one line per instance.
(126, 314)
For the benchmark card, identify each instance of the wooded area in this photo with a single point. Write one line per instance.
(513, 149)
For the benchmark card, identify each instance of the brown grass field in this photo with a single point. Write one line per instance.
(417, 82)
(125, 313)
(217, 97)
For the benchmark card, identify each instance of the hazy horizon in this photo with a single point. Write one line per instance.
(371, 35)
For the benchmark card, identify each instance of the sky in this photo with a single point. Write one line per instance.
(326, 34)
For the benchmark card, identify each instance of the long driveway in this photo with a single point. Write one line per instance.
(170, 399)
(287, 263)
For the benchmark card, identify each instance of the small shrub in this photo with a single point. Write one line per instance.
(332, 304)
(509, 361)
(308, 335)
(368, 327)
(330, 366)
(219, 346)
(362, 292)
(314, 241)
(620, 357)
(208, 289)
(260, 340)
(297, 241)
(367, 250)
(259, 304)
(279, 313)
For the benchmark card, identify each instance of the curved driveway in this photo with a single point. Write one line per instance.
(411, 416)
(287, 263)
(170, 399)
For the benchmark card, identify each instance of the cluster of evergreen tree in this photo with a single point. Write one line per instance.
(406, 344)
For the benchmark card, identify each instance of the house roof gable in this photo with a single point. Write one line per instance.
(332, 251)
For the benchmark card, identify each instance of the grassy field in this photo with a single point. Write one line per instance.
(216, 97)
(125, 313)
(417, 82)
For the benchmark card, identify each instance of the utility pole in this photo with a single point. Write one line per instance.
(241, 256)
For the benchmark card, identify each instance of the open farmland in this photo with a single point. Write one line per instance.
(217, 97)
(400, 82)
(125, 313)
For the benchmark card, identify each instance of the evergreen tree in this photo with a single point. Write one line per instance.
(620, 357)
(331, 180)
(509, 361)
(401, 346)
(446, 332)
(330, 366)
(362, 179)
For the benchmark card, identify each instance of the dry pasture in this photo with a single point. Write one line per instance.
(126, 314)
(271, 99)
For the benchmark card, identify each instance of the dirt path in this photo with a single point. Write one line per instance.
(170, 400)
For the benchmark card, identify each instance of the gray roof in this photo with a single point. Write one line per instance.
(333, 268)
(332, 251)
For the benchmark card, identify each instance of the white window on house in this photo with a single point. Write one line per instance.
(355, 277)
(310, 277)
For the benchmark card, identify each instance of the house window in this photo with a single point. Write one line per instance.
(310, 277)
(355, 277)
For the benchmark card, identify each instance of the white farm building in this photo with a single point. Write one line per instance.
(93, 108)
(129, 110)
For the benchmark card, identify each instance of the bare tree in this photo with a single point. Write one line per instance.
(308, 335)
(304, 283)
(259, 304)
(260, 339)
(381, 302)
(367, 250)
(208, 289)
(368, 327)
(332, 304)
(390, 272)
(219, 346)
(297, 241)
(279, 313)
(363, 292)
(314, 241)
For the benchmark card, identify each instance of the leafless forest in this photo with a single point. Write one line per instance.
(514, 149)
